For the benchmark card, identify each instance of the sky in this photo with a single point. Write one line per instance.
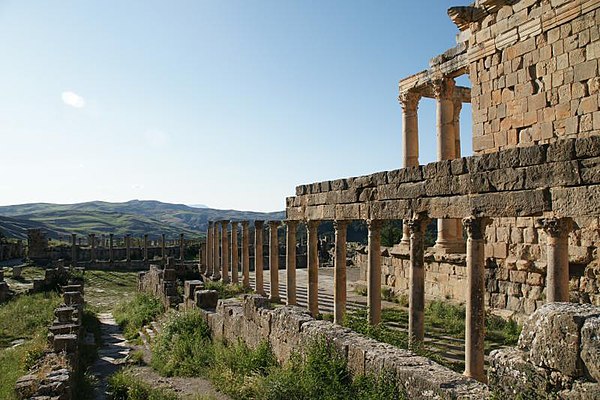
(226, 103)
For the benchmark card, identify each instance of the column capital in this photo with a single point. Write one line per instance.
(444, 88)
(312, 223)
(259, 224)
(341, 223)
(475, 227)
(556, 227)
(274, 224)
(291, 223)
(210, 224)
(224, 223)
(374, 224)
(418, 224)
(409, 101)
(244, 224)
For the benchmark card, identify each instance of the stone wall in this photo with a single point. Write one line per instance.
(558, 353)
(9, 251)
(534, 73)
(162, 283)
(290, 329)
(52, 377)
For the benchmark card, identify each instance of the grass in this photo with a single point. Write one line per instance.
(184, 348)
(226, 290)
(133, 314)
(105, 289)
(25, 317)
(125, 387)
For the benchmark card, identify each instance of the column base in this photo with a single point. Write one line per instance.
(449, 247)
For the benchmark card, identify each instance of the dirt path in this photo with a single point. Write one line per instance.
(111, 356)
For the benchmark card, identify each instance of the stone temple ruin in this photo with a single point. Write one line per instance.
(527, 201)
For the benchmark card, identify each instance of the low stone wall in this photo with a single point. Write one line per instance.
(162, 283)
(52, 377)
(9, 251)
(4, 289)
(290, 329)
(558, 352)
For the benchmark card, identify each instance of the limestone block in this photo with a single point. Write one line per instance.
(576, 201)
(520, 203)
(207, 299)
(590, 171)
(587, 147)
(552, 336)
(510, 372)
(532, 155)
(409, 174)
(390, 209)
(590, 347)
(554, 174)
(190, 287)
(66, 343)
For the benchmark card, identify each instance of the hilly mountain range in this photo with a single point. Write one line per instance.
(136, 217)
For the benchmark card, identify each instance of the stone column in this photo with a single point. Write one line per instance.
(163, 250)
(290, 261)
(209, 249)
(274, 259)
(128, 247)
(145, 247)
(475, 307)
(374, 272)
(224, 251)
(339, 272)
(410, 140)
(245, 255)
(216, 274)
(181, 247)
(416, 307)
(457, 102)
(446, 150)
(312, 233)
(557, 256)
(235, 259)
(111, 249)
(73, 250)
(258, 257)
(92, 239)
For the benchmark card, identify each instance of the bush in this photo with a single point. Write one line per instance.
(183, 346)
(134, 314)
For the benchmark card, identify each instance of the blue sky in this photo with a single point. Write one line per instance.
(228, 103)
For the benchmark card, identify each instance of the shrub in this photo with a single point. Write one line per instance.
(134, 314)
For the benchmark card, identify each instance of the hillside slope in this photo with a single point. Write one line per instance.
(136, 217)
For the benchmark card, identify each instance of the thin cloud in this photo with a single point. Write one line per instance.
(156, 138)
(73, 99)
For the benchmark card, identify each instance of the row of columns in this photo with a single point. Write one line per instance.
(448, 109)
(127, 240)
(557, 278)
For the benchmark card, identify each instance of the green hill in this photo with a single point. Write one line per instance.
(136, 217)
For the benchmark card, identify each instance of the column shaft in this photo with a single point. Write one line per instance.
(290, 261)
(339, 272)
(374, 273)
(128, 247)
(73, 250)
(111, 253)
(224, 252)
(235, 259)
(209, 249)
(92, 239)
(145, 247)
(181, 247)
(557, 257)
(416, 312)
(216, 273)
(245, 255)
(475, 307)
(258, 257)
(163, 249)
(313, 267)
(274, 260)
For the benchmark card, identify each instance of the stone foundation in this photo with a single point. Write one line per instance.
(161, 283)
(558, 353)
(52, 377)
(290, 329)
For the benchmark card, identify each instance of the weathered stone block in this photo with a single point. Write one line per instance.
(590, 347)
(552, 335)
(409, 174)
(207, 299)
(510, 204)
(532, 155)
(561, 150)
(576, 201)
(587, 147)
(555, 174)
(436, 169)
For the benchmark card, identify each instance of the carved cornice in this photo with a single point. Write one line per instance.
(418, 224)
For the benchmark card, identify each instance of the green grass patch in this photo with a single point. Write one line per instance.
(133, 314)
(125, 387)
(184, 348)
(105, 289)
(226, 290)
(25, 317)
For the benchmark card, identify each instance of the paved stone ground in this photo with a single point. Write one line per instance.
(112, 354)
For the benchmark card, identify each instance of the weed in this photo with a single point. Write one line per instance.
(226, 290)
(133, 315)
(125, 387)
